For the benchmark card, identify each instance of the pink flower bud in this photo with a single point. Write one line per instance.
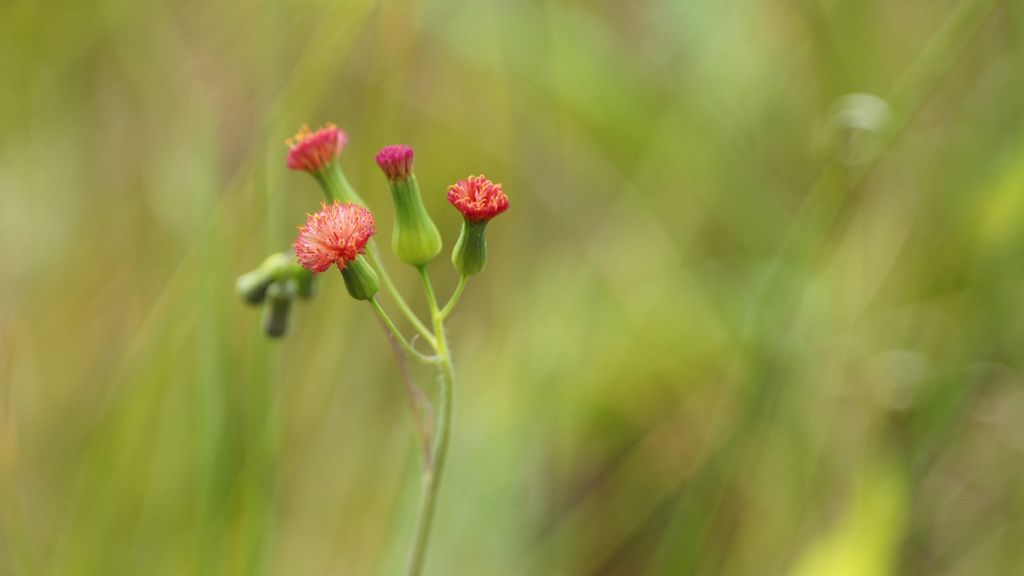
(395, 161)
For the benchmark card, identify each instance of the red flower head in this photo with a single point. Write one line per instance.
(478, 198)
(337, 234)
(314, 151)
(395, 161)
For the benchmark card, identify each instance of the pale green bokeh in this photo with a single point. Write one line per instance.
(735, 322)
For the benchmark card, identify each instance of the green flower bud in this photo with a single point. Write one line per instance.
(252, 286)
(277, 310)
(416, 239)
(470, 253)
(360, 279)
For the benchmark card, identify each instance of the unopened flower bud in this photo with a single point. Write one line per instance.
(277, 310)
(416, 239)
(479, 200)
(252, 286)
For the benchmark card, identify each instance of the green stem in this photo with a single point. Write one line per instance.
(455, 297)
(336, 186)
(398, 335)
(435, 466)
(374, 253)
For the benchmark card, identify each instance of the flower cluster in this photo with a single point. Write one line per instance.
(339, 234)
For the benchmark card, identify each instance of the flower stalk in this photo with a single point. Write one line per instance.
(397, 334)
(455, 297)
(336, 187)
(434, 467)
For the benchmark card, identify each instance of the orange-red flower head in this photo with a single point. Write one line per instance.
(314, 151)
(478, 198)
(336, 234)
(395, 161)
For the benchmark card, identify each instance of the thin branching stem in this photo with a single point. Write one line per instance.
(455, 297)
(398, 335)
(374, 253)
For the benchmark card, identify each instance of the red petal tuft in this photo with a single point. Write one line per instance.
(478, 198)
(314, 151)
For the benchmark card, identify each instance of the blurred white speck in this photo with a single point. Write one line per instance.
(858, 120)
(861, 111)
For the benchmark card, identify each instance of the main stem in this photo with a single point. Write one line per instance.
(435, 465)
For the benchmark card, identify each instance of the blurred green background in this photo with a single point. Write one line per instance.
(736, 321)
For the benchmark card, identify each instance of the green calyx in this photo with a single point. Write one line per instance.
(416, 239)
(470, 253)
(360, 279)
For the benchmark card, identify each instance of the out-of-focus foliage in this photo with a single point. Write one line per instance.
(757, 307)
